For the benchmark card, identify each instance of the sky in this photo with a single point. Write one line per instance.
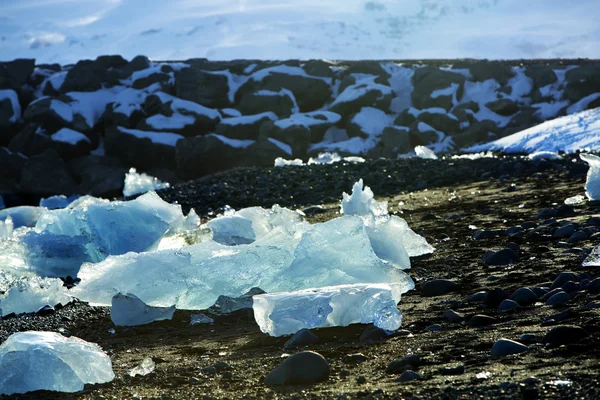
(65, 31)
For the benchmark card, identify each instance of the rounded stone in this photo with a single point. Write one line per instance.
(524, 296)
(301, 338)
(564, 334)
(558, 298)
(302, 368)
(504, 347)
(438, 287)
(508, 305)
(407, 376)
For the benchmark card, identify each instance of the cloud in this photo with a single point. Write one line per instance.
(47, 39)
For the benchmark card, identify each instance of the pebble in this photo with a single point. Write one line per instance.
(361, 380)
(373, 334)
(487, 234)
(407, 376)
(481, 320)
(528, 337)
(301, 338)
(551, 293)
(453, 316)
(564, 231)
(592, 305)
(504, 347)
(578, 236)
(438, 287)
(502, 257)
(563, 278)
(45, 310)
(478, 297)
(410, 362)
(565, 210)
(561, 316)
(524, 296)
(433, 328)
(570, 286)
(539, 291)
(564, 334)
(495, 297)
(529, 225)
(302, 368)
(594, 286)
(558, 298)
(355, 358)
(546, 213)
(508, 305)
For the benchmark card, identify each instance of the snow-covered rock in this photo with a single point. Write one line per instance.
(32, 361)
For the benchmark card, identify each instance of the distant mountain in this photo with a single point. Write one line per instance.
(65, 31)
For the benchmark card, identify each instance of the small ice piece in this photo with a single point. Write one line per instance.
(325, 158)
(362, 202)
(227, 304)
(593, 260)
(138, 183)
(232, 230)
(49, 361)
(6, 227)
(578, 199)
(286, 313)
(282, 162)
(57, 202)
(146, 367)
(546, 155)
(22, 215)
(29, 294)
(425, 153)
(592, 184)
(129, 310)
(199, 319)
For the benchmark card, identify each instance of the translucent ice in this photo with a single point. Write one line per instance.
(129, 310)
(577, 199)
(56, 202)
(592, 184)
(425, 152)
(22, 215)
(6, 227)
(136, 183)
(146, 367)
(286, 313)
(29, 294)
(49, 361)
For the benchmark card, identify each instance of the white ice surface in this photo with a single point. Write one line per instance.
(138, 183)
(592, 183)
(69, 136)
(29, 294)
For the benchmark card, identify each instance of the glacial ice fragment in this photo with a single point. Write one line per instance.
(286, 313)
(57, 202)
(29, 294)
(129, 310)
(137, 183)
(6, 227)
(592, 183)
(577, 199)
(49, 361)
(22, 215)
(146, 367)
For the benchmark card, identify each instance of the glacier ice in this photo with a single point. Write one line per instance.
(592, 183)
(6, 227)
(29, 294)
(88, 230)
(286, 313)
(22, 215)
(146, 367)
(49, 361)
(425, 153)
(137, 183)
(129, 310)
(58, 201)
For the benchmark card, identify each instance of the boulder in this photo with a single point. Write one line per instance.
(14, 74)
(110, 61)
(157, 77)
(318, 122)
(422, 134)
(265, 150)
(112, 117)
(371, 67)
(395, 140)
(11, 165)
(406, 118)
(30, 141)
(205, 88)
(360, 95)
(504, 107)
(427, 79)
(319, 68)
(481, 131)
(100, 176)
(484, 70)
(541, 75)
(205, 155)
(281, 103)
(55, 113)
(442, 122)
(8, 114)
(46, 174)
(297, 136)
(244, 128)
(582, 81)
(85, 76)
(141, 152)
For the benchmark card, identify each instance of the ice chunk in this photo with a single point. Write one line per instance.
(593, 260)
(57, 202)
(426, 153)
(146, 367)
(592, 184)
(136, 183)
(22, 215)
(362, 203)
(286, 313)
(227, 304)
(49, 361)
(577, 199)
(29, 294)
(129, 310)
(6, 227)
(199, 319)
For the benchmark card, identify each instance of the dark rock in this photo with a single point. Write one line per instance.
(502, 257)
(110, 61)
(302, 368)
(85, 76)
(433, 328)
(45, 310)
(46, 174)
(529, 225)
(578, 236)
(546, 213)
(43, 112)
(373, 334)
(396, 140)
(441, 122)
(205, 88)
(281, 104)
(570, 286)
(243, 128)
(412, 361)
(524, 296)
(407, 376)
(427, 79)
(297, 136)
(14, 74)
(373, 97)
(438, 287)
(265, 150)
(11, 165)
(458, 370)
(504, 107)
(480, 131)
(318, 68)
(582, 81)
(564, 334)
(594, 286)
(157, 77)
(508, 305)
(30, 141)
(480, 320)
(478, 297)
(565, 210)
(563, 278)
(484, 70)
(100, 176)
(541, 75)
(558, 298)
(301, 338)
(355, 358)
(406, 118)
(453, 316)
(7, 113)
(506, 347)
